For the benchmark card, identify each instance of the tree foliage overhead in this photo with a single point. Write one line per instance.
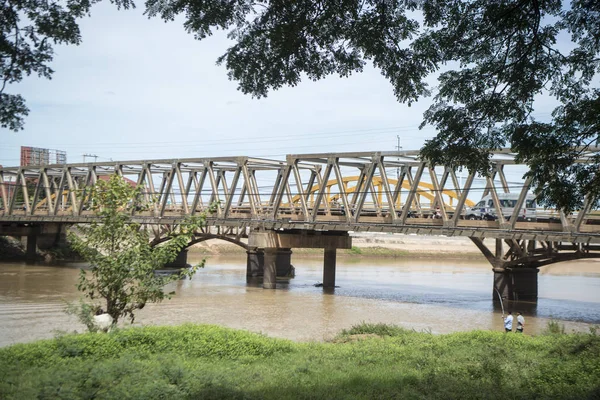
(122, 261)
(493, 60)
(28, 31)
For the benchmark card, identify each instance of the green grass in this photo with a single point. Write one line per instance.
(365, 362)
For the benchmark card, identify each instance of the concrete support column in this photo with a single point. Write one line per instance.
(270, 268)
(31, 254)
(180, 261)
(284, 262)
(329, 268)
(255, 262)
(518, 284)
(52, 235)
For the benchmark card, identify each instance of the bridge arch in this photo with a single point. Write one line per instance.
(202, 237)
(208, 236)
(350, 184)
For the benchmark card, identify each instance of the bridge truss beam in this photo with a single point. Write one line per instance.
(380, 191)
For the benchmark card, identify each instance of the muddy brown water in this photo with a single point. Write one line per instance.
(432, 295)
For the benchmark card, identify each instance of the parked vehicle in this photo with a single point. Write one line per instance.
(485, 209)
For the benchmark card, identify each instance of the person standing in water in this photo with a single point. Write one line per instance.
(520, 323)
(508, 322)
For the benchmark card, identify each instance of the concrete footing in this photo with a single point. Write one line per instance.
(518, 284)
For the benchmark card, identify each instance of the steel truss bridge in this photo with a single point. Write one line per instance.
(392, 192)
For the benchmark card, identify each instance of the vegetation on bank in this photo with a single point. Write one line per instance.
(365, 362)
(121, 253)
(11, 249)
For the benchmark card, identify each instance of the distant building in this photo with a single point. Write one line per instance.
(33, 156)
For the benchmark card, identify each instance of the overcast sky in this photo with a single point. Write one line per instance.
(145, 89)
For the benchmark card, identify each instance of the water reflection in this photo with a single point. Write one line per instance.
(434, 295)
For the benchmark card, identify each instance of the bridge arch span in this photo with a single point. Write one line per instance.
(351, 183)
(198, 238)
(208, 236)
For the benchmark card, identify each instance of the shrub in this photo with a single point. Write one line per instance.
(374, 329)
(554, 328)
(355, 250)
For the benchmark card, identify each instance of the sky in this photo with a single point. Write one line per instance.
(144, 89)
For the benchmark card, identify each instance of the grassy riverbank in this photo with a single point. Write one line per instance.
(367, 362)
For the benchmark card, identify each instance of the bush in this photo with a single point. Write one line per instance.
(554, 328)
(84, 313)
(355, 250)
(374, 329)
(193, 361)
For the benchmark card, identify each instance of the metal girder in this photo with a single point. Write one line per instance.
(182, 188)
(283, 187)
(520, 201)
(438, 193)
(321, 192)
(462, 199)
(388, 192)
(413, 192)
(300, 188)
(229, 198)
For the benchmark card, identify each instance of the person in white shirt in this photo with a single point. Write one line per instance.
(520, 323)
(508, 322)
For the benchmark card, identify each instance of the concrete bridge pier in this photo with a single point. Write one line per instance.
(283, 263)
(29, 235)
(329, 260)
(270, 268)
(517, 284)
(277, 247)
(515, 271)
(52, 235)
(180, 261)
(31, 253)
(255, 263)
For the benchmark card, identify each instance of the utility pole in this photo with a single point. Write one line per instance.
(90, 155)
(398, 147)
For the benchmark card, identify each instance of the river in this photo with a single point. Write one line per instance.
(432, 295)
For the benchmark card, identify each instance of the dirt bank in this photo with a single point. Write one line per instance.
(363, 245)
(371, 245)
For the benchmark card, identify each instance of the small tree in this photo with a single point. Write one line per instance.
(119, 252)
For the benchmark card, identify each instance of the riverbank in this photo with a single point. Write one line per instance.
(364, 245)
(371, 245)
(12, 249)
(369, 361)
